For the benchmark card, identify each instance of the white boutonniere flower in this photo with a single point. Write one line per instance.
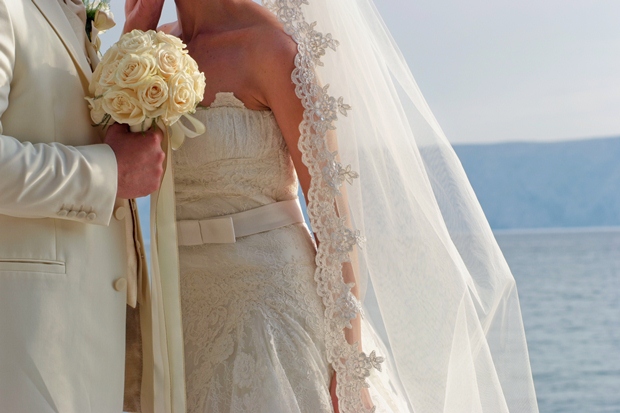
(99, 18)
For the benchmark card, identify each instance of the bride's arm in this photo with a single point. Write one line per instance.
(142, 14)
(278, 91)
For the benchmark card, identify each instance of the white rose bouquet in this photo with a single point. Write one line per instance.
(148, 78)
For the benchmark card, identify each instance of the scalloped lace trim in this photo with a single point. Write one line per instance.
(226, 100)
(328, 175)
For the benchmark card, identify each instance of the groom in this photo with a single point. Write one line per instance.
(70, 252)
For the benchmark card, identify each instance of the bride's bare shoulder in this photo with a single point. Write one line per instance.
(271, 44)
(269, 55)
(274, 60)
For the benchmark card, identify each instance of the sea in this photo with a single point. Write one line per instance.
(569, 288)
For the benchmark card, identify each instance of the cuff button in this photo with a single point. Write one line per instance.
(91, 216)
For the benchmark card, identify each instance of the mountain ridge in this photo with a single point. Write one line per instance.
(548, 184)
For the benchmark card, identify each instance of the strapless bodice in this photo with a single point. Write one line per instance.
(241, 162)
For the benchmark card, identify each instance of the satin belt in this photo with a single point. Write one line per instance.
(226, 229)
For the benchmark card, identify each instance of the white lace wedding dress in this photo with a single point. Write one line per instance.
(253, 322)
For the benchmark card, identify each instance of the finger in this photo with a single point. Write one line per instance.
(159, 134)
(118, 128)
(160, 159)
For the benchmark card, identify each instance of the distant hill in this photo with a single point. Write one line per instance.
(543, 185)
(537, 185)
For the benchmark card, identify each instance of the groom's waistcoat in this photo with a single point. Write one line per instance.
(68, 248)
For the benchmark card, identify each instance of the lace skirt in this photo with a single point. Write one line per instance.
(254, 326)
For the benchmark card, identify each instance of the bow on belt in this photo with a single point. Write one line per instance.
(226, 229)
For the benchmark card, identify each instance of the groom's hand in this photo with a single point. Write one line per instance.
(139, 158)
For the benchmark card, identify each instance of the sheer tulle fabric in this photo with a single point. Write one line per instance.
(437, 286)
(445, 300)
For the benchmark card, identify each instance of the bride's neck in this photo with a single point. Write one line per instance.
(203, 16)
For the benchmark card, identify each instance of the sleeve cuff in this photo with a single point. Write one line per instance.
(104, 182)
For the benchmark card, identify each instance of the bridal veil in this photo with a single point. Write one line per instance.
(389, 194)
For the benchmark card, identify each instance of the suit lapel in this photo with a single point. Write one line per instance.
(58, 20)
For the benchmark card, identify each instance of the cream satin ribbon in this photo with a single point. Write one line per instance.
(226, 229)
(168, 381)
(178, 131)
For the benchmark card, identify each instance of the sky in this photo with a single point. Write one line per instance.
(505, 70)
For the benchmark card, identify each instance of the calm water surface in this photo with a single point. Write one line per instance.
(569, 286)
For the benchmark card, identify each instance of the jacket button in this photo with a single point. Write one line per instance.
(81, 215)
(62, 213)
(120, 284)
(72, 214)
(91, 216)
(119, 213)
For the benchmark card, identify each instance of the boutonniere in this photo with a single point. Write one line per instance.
(99, 18)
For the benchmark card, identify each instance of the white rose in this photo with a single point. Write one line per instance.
(182, 97)
(107, 66)
(153, 96)
(191, 68)
(169, 60)
(104, 78)
(104, 20)
(161, 37)
(97, 90)
(124, 106)
(199, 87)
(97, 114)
(112, 54)
(136, 42)
(134, 70)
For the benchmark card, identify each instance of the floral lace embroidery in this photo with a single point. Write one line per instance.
(251, 312)
(232, 172)
(336, 240)
(223, 345)
(335, 174)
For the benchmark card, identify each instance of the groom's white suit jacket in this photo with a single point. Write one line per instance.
(70, 257)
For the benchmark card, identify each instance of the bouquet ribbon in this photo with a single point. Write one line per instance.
(178, 131)
(168, 377)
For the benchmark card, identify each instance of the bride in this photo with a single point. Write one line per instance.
(401, 300)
